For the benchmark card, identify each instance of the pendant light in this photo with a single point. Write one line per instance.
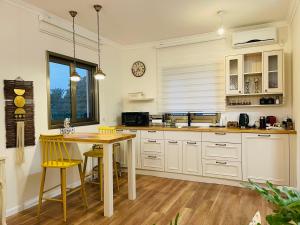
(221, 29)
(99, 74)
(74, 75)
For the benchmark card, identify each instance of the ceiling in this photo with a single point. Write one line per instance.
(138, 21)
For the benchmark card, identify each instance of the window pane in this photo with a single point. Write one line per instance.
(60, 91)
(83, 95)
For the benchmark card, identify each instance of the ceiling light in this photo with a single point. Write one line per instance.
(99, 74)
(74, 75)
(221, 29)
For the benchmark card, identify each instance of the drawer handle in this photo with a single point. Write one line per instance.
(173, 142)
(151, 131)
(222, 163)
(133, 131)
(264, 135)
(152, 141)
(222, 145)
(191, 143)
(220, 133)
(151, 157)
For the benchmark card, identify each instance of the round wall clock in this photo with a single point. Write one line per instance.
(138, 69)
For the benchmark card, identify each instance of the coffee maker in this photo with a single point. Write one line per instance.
(243, 120)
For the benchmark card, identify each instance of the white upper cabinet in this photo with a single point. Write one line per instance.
(265, 157)
(234, 74)
(273, 71)
(173, 156)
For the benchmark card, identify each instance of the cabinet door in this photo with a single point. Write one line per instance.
(173, 156)
(234, 74)
(273, 71)
(266, 158)
(152, 146)
(192, 157)
(137, 146)
(153, 162)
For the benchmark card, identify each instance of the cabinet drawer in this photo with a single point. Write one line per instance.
(223, 151)
(222, 137)
(183, 135)
(222, 169)
(152, 134)
(152, 146)
(153, 162)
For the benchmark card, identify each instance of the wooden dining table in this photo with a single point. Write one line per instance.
(107, 140)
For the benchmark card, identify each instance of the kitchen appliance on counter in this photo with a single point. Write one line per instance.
(271, 120)
(205, 119)
(262, 122)
(135, 119)
(156, 120)
(176, 119)
(244, 120)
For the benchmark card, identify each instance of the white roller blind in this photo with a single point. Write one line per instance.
(192, 88)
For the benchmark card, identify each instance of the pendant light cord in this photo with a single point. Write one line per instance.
(74, 43)
(98, 39)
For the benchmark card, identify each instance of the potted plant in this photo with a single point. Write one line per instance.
(286, 201)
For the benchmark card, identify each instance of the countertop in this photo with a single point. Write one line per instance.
(210, 129)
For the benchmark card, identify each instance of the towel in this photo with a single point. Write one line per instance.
(20, 142)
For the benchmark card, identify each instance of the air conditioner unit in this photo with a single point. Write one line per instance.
(264, 36)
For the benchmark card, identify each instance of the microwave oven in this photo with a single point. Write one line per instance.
(135, 118)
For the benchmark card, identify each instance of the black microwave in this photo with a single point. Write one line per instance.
(135, 118)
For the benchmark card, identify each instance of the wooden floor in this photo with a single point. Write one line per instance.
(158, 201)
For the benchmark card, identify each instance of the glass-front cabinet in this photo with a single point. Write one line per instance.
(273, 71)
(234, 81)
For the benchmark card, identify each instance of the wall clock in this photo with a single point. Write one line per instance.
(138, 69)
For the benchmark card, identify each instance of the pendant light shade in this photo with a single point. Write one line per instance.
(74, 75)
(99, 74)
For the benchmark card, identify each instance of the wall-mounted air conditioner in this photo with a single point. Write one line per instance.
(264, 36)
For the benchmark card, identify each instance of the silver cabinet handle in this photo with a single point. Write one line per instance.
(191, 142)
(151, 131)
(151, 156)
(173, 142)
(220, 133)
(152, 141)
(222, 163)
(222, 145)
(264, 135)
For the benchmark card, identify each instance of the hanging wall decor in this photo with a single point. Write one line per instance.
(19, 114)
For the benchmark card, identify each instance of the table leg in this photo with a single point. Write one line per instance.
(131, 169)
(108, 180)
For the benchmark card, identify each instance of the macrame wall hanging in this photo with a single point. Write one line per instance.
(19, 115)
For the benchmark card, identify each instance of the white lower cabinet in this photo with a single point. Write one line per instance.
(222, 169)
(122, 155)
(191, 157)
(153, 162)
(266, 158)
(153, 152)
(222, 151)
(173, 156)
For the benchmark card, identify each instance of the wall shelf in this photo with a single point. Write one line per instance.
(141, 99)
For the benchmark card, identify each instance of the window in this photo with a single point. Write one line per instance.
(66, 99)
(192, 88)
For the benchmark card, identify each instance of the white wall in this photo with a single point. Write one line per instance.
(23, 53)
(296, 77)
(195, 54)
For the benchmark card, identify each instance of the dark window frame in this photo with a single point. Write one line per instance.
(93, 92)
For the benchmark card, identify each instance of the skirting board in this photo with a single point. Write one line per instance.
(186, 177)
(34, 201)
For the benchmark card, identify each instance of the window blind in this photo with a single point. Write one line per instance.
(192, 88)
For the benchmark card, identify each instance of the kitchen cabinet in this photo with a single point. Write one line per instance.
(153, 151)
(273, 71)
(173, 156)
(222, 169)
(265, 157)
(222, 151)
(122, 155)
(234, 74)
(192, 163)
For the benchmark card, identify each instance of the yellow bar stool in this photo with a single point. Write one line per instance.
(97, 152)
(55, 155)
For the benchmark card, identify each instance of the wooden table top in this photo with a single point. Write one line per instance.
(96, 138)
